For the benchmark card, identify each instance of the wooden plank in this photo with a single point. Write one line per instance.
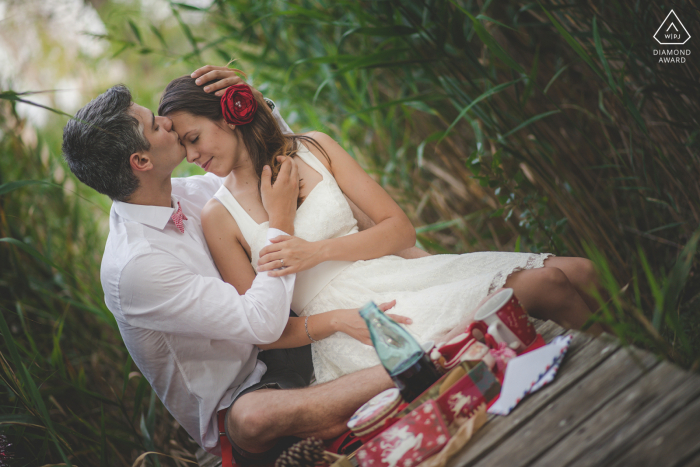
(204, 459)
(671, 443)
(584, 354)
(615, 427)
(564, 413)
(692, 462)
(549, 329)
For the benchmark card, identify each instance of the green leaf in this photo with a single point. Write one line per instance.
(531, 79)
(19, 419)
(186, 6)
(578, 48)
(138, 397)
(490, 42)
(187, 31)
(445, 224)
(516, 248)
(10, 343)
(422, 98)
(601, 54)
(556, 75)
(125, 373)
(41, 408)
(32, 251)
(529, 121)
(484, 95)
(306, 13)
(14, 96)
(386, 31)
(11, 186)
(677, 279)
(136, 31)
(421, 147)
(160, 37)
(484, 17)
(656, 291)
(633, 109)
(103, 439)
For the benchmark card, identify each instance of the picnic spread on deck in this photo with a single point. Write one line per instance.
(433, 412)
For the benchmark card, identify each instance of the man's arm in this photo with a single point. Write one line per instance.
(158, 291)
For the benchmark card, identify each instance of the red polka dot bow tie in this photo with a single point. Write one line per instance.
(178, 217)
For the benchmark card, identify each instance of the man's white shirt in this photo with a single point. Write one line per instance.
(192, 335)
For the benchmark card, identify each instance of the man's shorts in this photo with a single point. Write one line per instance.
(286, 369)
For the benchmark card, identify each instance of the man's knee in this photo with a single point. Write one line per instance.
(249, 423)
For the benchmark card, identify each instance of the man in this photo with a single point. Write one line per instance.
(192, 335)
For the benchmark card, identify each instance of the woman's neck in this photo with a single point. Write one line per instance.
(242, 176)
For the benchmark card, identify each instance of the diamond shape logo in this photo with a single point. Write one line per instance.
(672, 31)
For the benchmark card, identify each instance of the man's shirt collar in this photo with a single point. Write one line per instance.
(152, 216)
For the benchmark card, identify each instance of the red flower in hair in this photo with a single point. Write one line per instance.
(238, 104)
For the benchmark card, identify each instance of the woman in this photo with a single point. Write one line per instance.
(338, 267)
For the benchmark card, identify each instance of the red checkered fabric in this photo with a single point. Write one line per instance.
(178, 217)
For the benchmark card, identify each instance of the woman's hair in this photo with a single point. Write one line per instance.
(262, 136)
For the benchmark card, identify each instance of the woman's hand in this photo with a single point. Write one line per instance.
(292, 253)
(351, 323)
(226, 76)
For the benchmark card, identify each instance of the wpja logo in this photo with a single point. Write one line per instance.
(672, 32)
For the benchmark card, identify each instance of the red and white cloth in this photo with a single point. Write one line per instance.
(178, 217)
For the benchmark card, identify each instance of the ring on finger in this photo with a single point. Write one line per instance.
(282, 261)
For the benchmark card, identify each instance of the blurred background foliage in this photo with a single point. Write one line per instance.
(513, 125)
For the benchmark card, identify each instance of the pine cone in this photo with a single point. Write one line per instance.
(306, 453)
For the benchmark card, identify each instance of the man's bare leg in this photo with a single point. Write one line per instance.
(259, 419)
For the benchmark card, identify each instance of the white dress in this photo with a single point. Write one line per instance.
(436, 292)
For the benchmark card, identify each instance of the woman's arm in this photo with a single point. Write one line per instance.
(391, 233)
(222, 233)
(364, 223)
(323, 325)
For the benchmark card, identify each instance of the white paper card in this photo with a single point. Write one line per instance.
(529, 372)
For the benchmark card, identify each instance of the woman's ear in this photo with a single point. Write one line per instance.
(231, 126)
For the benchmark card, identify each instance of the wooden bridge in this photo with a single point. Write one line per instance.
(608, 406)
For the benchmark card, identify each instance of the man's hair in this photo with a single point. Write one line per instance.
(98, 142)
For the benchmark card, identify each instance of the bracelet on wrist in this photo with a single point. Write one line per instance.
(306, 327)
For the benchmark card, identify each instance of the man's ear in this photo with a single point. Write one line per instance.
(140, 162)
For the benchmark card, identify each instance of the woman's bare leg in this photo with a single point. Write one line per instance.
(547, 293)
(582, 275)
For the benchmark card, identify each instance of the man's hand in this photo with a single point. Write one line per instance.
(351, 323)
(280, 199)
(226, 76)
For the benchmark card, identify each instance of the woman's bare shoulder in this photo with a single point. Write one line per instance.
(329, 145)
(216, 218)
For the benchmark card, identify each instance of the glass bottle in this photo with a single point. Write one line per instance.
(403, 358)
